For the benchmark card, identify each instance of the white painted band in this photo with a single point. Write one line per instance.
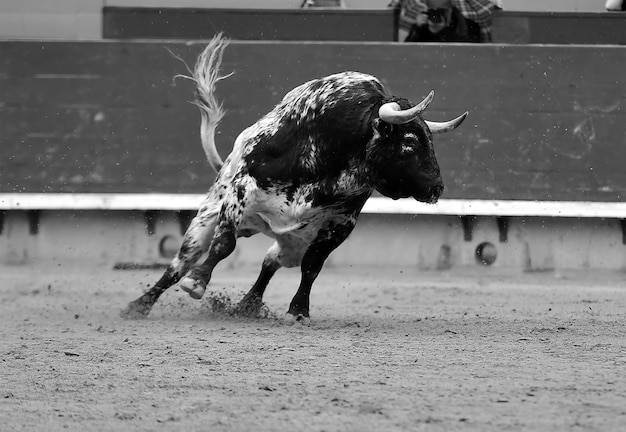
(376, 205)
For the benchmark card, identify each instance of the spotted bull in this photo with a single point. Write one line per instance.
(300, 175)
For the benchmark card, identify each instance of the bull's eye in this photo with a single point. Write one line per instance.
(407, 150)
(407, 147)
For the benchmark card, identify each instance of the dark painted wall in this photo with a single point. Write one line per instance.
(250, 24)
(546, 122)
(560, 28)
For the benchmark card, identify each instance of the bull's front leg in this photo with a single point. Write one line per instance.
(252, 302)
(328, 239)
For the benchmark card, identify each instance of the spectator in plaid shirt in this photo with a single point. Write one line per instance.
(480, 12)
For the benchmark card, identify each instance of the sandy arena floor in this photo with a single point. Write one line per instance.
(387, 350)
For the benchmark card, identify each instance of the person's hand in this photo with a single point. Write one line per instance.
(421, 18)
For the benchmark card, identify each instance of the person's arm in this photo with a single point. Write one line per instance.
(479, 11)
(614, 5)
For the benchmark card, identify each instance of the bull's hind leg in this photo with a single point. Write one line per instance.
(194, 244)
(141, 307)
(222, 245)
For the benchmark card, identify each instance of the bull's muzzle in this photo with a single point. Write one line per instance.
(434, 193)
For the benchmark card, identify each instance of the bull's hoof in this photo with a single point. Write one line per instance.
(194, 288)
(136, 310)
(249, 307)
(298, 319)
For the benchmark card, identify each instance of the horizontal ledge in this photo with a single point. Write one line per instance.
(376, 205)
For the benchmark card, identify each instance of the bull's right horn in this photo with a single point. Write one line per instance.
(392, 113)
(441, 127)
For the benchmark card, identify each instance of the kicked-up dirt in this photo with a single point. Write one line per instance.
(387, 350)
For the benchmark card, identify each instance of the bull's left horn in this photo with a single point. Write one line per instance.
(441, 127)
(392, 113)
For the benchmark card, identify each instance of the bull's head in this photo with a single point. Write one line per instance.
(402, 154)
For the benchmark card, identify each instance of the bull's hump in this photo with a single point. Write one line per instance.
(350, 78)
(339, 86)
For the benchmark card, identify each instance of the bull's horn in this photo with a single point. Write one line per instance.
(392, 113)
(441, 127)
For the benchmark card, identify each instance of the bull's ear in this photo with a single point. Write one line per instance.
(383, 128)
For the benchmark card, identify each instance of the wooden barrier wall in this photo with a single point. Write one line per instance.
(250, 24)
(546, 122)
(348, 25)
(560, 28)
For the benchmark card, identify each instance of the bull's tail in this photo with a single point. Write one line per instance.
(206, 74)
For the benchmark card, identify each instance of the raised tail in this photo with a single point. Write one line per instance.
(206, 74)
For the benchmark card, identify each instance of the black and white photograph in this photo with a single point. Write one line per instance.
(313, 215)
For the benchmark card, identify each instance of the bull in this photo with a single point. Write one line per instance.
(300, 175)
